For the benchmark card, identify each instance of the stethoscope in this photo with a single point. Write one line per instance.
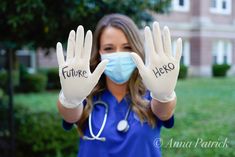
(122, 126)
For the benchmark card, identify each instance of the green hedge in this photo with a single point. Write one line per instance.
(1, 94)
(40, 134)
(220, 70)
(183, 72)
(4, 131)
(3, 78)
(3, 99)
(26, 82)
(53, 80)
(33, 83)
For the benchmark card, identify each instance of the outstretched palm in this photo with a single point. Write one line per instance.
(76, 79)
(161, 68)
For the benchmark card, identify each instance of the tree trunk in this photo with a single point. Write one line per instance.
(10, 103)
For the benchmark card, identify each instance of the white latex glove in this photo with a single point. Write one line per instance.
(161, 69)
(75, 77)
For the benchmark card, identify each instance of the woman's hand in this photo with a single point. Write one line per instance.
(161, 69)
(75, 77)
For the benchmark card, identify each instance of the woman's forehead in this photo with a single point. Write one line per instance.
(111, 35)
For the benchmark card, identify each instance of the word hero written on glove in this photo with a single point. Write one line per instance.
(164, 69)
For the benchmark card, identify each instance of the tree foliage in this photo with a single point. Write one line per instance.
(41, 23)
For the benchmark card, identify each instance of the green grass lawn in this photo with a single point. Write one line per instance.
(205, 111)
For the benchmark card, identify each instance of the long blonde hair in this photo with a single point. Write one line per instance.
(135, 85)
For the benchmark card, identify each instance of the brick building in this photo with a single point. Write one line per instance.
(207, 28)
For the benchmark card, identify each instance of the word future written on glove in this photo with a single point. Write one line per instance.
(164, 69)
(73, 73)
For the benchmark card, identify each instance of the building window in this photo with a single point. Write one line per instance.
(185, 58)
(222, 52)
(224, 5)
(27, 59)
(221, 6)
(180, 5)
(213, 3)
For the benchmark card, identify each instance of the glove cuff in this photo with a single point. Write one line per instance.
(165, 98)
(68, 103)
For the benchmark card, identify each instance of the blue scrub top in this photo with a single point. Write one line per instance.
(141, 140)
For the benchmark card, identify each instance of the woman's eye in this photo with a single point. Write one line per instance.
(127, 48)
(107, 48)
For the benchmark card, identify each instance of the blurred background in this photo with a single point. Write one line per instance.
(29, 84)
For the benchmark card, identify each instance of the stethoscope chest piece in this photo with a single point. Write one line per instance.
(123, 126)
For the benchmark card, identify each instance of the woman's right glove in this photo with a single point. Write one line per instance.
(161, 69)
(75, 77)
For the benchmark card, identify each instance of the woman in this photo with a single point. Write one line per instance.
(122, 104)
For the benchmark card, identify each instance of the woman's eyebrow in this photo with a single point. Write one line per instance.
(126, 44)
(108, 45)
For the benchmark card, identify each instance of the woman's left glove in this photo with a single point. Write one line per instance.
(161, 69)
(76, 79)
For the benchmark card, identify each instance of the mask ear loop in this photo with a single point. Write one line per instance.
(97, 137)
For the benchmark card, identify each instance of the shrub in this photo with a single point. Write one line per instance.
(40, 134)
(22, 71)
(53, 80)
(220, 70)
(1, 94)
(183, 72)
(3, 79)
(3, 97)
(4, 131)
(33, 83)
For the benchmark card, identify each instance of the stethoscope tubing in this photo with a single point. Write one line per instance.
(97, 137)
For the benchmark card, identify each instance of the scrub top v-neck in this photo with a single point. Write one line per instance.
(138, 141)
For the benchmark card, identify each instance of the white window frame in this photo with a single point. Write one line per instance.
(177, 7)
(218, 8)
(185, 51)
(220, 49)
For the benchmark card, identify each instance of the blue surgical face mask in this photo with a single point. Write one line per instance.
(120, 66)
